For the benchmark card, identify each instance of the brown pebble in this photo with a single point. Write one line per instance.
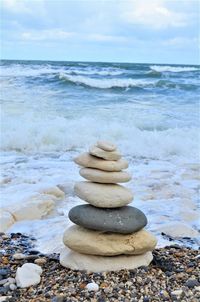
(40, 261)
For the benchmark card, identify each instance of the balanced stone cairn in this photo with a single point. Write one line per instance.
(108, 234)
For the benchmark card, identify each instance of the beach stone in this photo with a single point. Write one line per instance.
(28, 274)
(34, 208)
(99, 176)
(92, 286)
(40, 261)
(192, 283)
(55, 191)
(19, 256)
(4, 298)
(103, 195)
(106, 146)
(98, 243)
(108, 155)
(178, 230)
(89, 161)
(6, 220)
(76, 261)
(123, 220)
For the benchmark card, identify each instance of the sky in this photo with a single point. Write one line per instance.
(141, 31)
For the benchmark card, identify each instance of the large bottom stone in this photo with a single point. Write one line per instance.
(76, 261)
(98, 243)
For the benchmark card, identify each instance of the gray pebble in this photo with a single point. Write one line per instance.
(192, 283)
(3, 281)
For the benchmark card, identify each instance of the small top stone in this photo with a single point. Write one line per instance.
(98, 152)
(106, 146)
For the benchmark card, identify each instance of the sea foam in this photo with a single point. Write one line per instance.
(159, 68)
(62, 134)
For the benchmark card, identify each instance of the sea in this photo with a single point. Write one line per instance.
(53, 111)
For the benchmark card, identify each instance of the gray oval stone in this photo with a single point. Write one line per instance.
(122, 220)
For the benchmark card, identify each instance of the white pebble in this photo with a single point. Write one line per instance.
(4, 298)
(28, 274)
(19, 256)
(92, 286)
(13, 286)
(11, 280)
(177, 292)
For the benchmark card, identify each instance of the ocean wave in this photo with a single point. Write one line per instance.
(108, 83)
(104, 83)
(36, 70)
(29, 71)
(158, 68)
(60, 134)
(89, 71)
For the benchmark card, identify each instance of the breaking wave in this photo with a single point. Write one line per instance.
(108, 83)
(60, 134)
(103, 83)
(159, 68)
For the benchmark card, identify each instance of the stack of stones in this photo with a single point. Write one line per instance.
(108, 234)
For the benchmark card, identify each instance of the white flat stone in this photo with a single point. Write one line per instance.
(107, 146)
(99, 176)
(108, 155)
(90, 161)
(28, 274)
(103, 195)
(55, 191)
(76, 261)
(34, 208)
(178, 230)
(6, 220)
(100, 243)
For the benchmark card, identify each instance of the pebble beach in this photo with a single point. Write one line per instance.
(173, 275)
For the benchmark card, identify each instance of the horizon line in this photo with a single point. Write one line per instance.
(112, 62)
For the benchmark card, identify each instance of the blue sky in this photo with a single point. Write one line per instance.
(154, 31)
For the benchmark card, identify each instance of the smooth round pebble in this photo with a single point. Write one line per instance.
(192, 283)
(40, 261)
(19, 256)
(13, 286)
(92, 287)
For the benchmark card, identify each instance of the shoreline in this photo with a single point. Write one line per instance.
(172, 276)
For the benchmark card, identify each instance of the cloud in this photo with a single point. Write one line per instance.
(15, 6)
(181, 42)
(154, 14)
(106, 38)
(24, 7)
(56, 34)
(46, 35)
